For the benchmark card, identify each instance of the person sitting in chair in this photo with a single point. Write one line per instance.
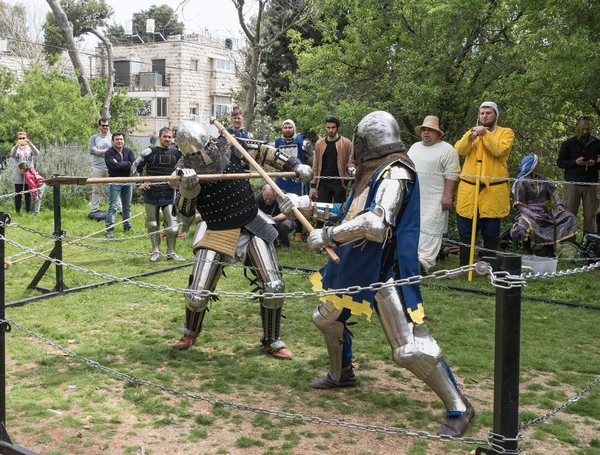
(535, 219)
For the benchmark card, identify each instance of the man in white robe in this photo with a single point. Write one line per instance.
(438, 167)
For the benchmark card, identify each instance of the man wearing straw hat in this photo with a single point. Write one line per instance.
(438, 167)
(486, 148)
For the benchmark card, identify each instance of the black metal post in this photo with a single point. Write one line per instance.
(507, 361)
(58, 232)
(4, 327)
(6, 445)
(56, 252)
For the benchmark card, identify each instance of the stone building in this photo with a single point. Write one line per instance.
(185, 77)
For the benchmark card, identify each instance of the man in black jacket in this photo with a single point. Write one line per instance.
(579, 156)
(118, 160)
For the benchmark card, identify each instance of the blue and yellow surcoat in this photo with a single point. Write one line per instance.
(365, 262)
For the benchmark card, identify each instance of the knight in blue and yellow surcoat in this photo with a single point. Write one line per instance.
(376, 239)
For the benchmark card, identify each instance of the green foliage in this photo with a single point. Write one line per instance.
(84, 15)
(122, 107)
(165, 19)
(49, 107)
(444, 57)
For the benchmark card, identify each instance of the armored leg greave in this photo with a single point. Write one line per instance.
(325, 318)
(152, 225)
(415, 349)
(171, 226)
(263, 257)
(205, 275)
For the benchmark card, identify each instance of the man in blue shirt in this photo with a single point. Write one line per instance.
(290, 143)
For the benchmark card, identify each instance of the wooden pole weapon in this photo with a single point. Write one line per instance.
(334, 257)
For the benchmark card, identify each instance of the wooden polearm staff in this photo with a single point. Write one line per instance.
(65, 180)
(475, 216)
(334, 257)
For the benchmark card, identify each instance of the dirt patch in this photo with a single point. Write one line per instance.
(138, 433)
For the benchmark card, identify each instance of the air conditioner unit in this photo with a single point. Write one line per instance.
(150, 81)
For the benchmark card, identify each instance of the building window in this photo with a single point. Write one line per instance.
(194, 65)
(221, 105)
(223, 65)
(193, 110)
(162, 105)
(146, 109)
(159, 66)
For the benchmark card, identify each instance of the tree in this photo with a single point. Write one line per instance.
(122, 107)
(49, 107)
(82, 17)
(411, 58)
(289, 13)
(165, 19)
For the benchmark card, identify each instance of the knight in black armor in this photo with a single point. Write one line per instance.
(160, 160)
(233, 228)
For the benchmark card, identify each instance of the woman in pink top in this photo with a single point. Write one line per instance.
(35, 182)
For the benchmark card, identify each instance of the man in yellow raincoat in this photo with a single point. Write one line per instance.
(486, 148)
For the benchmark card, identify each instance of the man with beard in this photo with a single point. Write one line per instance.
(160, 160)
(579, 156)
(235, 228)
(332, 159)
(488, 144)
(376, 241)
(292, 144)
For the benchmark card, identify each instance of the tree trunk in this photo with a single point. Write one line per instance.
(253, 73)
(111, 72)
(67, 32)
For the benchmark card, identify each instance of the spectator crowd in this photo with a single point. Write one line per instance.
(483, 186)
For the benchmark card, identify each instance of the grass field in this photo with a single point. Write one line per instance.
(59, 405)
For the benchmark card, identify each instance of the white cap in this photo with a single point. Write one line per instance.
(291, 122)
(490, 104)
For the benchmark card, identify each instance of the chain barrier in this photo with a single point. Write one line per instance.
(9, 195)
(562, 407)
(22, 253)
(561, 273)
(241, 407)
(113, 250)
(488, 250)
(497, 279)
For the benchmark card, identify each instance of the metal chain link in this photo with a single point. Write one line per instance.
(504, 281)
(9, 195)
(488, 250)
(140, 253)
(562, 407)
(241, 407)
(33, 231)
(37, 247)
(582, 269)
(495, 440)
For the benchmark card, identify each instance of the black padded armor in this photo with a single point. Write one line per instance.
(227, 204)
(161, 162)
